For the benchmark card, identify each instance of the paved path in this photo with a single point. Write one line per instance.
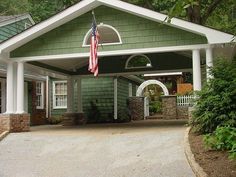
(142, 149)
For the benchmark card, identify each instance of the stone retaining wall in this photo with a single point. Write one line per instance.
(70, 119)
(169, 106)
(15, 122)
(182, 112)
(136, 106)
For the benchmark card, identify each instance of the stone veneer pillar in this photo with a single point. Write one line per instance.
(169, 107)
(136, 106)
(15, 122)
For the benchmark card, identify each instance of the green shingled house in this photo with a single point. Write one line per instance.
(60, 46)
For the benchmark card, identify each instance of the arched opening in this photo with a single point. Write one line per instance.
(151, 82)
(138, 61)
(152, 106)
(108, 36)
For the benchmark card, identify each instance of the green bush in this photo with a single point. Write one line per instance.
(55, 120)
(216, 103)
(223, 138)
(155, 107)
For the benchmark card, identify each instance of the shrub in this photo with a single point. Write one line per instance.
(55, 120)
(216, 103)
(155, 107)
(223, 138)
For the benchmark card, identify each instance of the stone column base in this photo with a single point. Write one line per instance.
(15, 122)
(136, 105)
(70, 119)
(169, 107)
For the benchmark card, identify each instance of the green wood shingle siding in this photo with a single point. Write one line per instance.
(136, 32)
(122, 96)
(100, 91)
(12, 29)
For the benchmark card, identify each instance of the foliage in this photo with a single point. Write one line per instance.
(13, 7)
(55, 120)
(216, 103)
(94, 114)
(224, 138)
(155, 107)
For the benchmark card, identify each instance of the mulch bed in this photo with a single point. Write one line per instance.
(214, 163)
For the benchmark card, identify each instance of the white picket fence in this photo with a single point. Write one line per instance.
(186, 100)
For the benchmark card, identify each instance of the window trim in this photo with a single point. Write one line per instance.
(138, 67)
(42, 95)
(53, 96)
(87, 35)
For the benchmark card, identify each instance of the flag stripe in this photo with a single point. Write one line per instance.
(93, 59)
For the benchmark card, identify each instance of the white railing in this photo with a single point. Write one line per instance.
(186, 100)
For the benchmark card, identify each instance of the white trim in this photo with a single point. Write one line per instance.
(87, 5)
(16, 19)
(150, 82)
(86, 37)
(113, 53)
(54, 101)
(47, 97)
(42, 95)
(115, 99)
(131, 57)
(130, 89)
(163, 74)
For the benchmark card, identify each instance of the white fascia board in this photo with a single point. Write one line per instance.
(164, 74)
(49, 24)
(114, 53)
(213, 36)
(136, 73)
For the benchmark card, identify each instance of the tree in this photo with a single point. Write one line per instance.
(13, 7)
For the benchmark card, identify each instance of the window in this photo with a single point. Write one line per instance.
(59, 94)
(138, 61)
(39, 95)
(108, 36)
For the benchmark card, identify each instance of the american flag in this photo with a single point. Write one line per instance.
(93, 59)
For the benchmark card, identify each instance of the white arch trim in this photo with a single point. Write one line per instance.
(131, 57)
(150, 82)
(87, 35)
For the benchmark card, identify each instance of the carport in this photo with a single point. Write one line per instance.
(61, 44)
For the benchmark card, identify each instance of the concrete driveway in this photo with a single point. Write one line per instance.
(140, 149)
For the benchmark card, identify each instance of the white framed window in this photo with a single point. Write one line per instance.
(59, 94)
(39, 95)
(108, 35)
(138, 61)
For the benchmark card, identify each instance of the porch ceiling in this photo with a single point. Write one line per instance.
(67, 64)
(161, 62)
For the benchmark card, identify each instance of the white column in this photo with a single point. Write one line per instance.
(209, 62)
(115, 98)
(20, 88)
(10, 90)
(197, 83)
(70, 92)
(79, 90)
(130, 89)
(14, 86)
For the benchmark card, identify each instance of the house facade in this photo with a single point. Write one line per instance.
(34, 84)
(60, 44)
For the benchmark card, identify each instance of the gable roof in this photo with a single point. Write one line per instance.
(213, 36)
(5, 20)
